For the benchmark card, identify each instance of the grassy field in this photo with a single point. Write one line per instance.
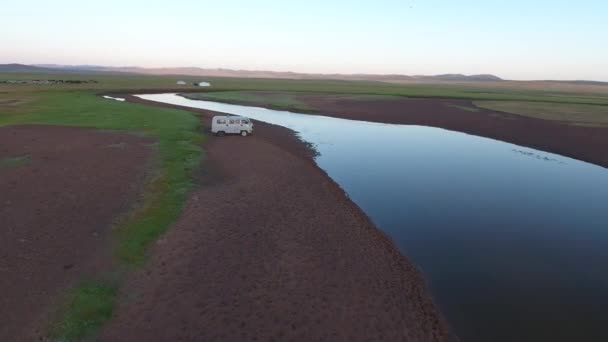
(178, 155)
(271, 99)
(552, 92)
(90, 304)
(575, 113)
(102, 82)
(277, 99)
(542, 86)
(586, 115)
(474, 91)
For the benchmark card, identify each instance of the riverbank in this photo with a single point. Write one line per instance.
(579, 141)
(269, 247)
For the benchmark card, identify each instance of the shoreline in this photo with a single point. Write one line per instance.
(282, 148)
(584, 143)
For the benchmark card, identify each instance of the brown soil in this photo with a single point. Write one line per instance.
(270, 248)
(56, 211)
(589, 144)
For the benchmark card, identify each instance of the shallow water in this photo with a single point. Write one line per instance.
(513, 241)
(114, 98)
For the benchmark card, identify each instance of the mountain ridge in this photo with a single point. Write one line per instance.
(224, 72)
(239, 73)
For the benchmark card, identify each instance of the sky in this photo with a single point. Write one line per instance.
(515, 39)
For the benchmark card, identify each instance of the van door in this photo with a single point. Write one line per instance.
(221, 125)
(245, 125)
(242, 125)
(233, 126)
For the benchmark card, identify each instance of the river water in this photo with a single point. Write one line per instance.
(512, 241)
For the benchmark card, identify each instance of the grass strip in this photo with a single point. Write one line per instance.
(87, 307)
(90, 304)
(12, 162)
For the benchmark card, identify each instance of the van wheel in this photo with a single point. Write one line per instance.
(221, 133)
(244, 133)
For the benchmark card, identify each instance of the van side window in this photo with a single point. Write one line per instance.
(221, 121)
(245, 122)
(231, 122)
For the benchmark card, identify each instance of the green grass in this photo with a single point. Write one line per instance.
(178, 155)
(12, 162)
(283, 100)
(555, 92)
(474, 91)
(104, 82)
(87, 308)
(577, 114)
(278, 99)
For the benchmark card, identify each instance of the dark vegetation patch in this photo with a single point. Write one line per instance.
(11, 162)
(46, 82)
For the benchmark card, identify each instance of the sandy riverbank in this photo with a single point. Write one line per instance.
(269, 247)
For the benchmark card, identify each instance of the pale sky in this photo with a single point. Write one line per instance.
(514, 39)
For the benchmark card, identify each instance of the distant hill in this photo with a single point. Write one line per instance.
(194, 71)
(22, 68)
(207, 72)
(461, 77)
(582, 82)
(73, 67)
(15, 68)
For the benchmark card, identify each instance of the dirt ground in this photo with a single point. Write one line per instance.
(269, 248)
(60, 190)
(584, 143)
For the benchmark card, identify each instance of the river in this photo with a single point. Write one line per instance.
(512, 241)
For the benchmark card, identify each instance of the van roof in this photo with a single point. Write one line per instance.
(231, 116)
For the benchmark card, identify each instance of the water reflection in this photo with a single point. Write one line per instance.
(514, 247)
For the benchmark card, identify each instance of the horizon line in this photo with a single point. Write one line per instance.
(499, 79)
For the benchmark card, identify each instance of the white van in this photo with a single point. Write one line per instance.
(231, 125)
